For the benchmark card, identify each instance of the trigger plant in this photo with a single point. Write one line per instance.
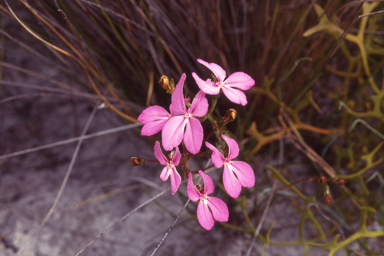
(182, 126)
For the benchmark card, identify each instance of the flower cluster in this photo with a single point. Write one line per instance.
(183, 126)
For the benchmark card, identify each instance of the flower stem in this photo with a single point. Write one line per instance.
(243, 206)
(214, 124)
(214, 101)
(210, 111)
(208, 136)
(236, 227)
(203, 170)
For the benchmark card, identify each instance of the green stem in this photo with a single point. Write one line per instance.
(210, 111)
(236, 228)
(214, 124)
(243, 207)
(203, 170)
(208, 136)
(214, 101)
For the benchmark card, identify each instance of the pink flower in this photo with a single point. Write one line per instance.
(237, 80)
(170, 166)
(209, 208)
(154, 119)
(236, 173)
(182, 119)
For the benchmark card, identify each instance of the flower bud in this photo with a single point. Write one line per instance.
(340, 181)
(323, 179)
(187, 101)
(327, 196)
(164, 83)
(137, 161)
(328, 199)
(230, 115)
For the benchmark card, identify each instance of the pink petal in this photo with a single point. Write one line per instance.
(154, 118)
(192, 192)
(199, 105)
(217, 157)
(218, 71)
(175, 180)
(153, 127)
(205, 216)
(159, 154)
(208, 183)
(176, 157)
(177, 106)
(165, 173)
(231, 184)
(234, 95)
(173, 132)
(240, 80)
(193, 137)
(218, 208)
(207, 87)
(153, 113)
(233, 150)
(244, 173)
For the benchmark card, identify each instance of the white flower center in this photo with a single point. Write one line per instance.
(188, 115)
(221, 84)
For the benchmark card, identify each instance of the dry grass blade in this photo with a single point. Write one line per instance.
(64, 183)
(182, 210)
(263, 216)
(328, 219)
(356, 18)
(40, 76)
(123, 218)
(298, 140)
(63, 142)
(288, 42)
(170, 228)
(150, 89)
(80, 61)
(115, 14)
(28, 48)
(31, 95)
(300, 144)
(54, 90)
(269, 201)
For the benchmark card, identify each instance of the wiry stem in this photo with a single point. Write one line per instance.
(68, 173)
(123, 218)
(170, 228)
